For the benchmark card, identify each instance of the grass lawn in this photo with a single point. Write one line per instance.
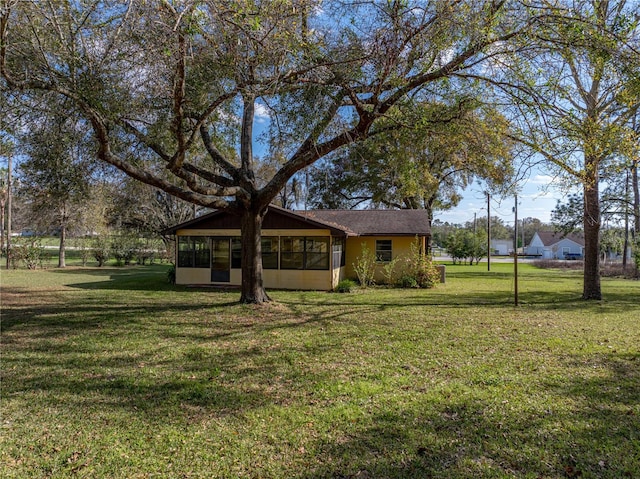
(114, 373)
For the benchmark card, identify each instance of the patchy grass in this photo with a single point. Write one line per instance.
(112, 372)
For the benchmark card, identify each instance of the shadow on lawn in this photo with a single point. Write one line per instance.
(614, 300)
(131, 278)
(461, 435)
(121, 382)
(581, 425)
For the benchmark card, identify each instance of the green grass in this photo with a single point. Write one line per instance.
(114, 373)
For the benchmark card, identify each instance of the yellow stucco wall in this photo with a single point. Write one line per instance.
(193, 275)
(323, 280)
(273, 278)
(400, 248)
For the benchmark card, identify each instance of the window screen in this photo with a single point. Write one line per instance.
(383, 251)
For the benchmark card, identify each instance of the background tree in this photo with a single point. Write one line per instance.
(4, 190)
(499, 229)
(575, 89)
(147, 210)
(55, 175)
(612, 242)
(465, 245)
(175, 86)
(441, 230)
(567, 217)
(445, 145)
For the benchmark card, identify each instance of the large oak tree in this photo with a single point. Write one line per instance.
(179, 84)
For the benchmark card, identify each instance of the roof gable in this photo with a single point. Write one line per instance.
(275, 218)
(549, 238)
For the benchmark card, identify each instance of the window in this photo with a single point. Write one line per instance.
(269, 252)
(201, 252)
(299, 252)
(185, 255)
(317, 253)
(383, 251)
(338, 252)
(236, 253)
(193, 252)
(292, 252)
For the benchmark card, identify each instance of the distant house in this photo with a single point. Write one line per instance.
(311, 250)
(501, 247)
(552, 245)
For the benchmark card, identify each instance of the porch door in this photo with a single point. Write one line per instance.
(220, 260)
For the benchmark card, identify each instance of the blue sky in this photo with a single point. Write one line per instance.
(537, 198)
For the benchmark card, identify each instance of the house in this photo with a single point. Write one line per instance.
(311, 250)
(552, 245)
(501, 247)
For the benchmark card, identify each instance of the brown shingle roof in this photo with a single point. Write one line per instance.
(375, 222)
(550, 238)
(340, 222)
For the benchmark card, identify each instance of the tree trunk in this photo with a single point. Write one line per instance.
(62, 250)
(63, 236)
(591, 283)
(252, 286)
(636, 210)
(636, 197)
(2, 226)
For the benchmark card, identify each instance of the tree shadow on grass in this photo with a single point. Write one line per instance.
(589, 430)
(123, 383)
(84, 313)
(437, 431)
(133, 278)
(615, 301)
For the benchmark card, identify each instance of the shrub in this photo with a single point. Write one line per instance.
(124, 248)
(171, 274)
(365, 266)
(100, 250)
(345, 286)
(82, 245)
(31, 253)
(144, 255)
(388, 269)
(407, 281)
(421, 268)
(464, 246)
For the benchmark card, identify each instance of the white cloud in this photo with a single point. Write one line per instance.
(262, 113)
(542, 180)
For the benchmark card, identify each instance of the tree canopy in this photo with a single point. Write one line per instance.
(172, 89)
(444, 147)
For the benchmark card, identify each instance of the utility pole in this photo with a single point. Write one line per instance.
(625, 249)
(488, 232)
(515, 254)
